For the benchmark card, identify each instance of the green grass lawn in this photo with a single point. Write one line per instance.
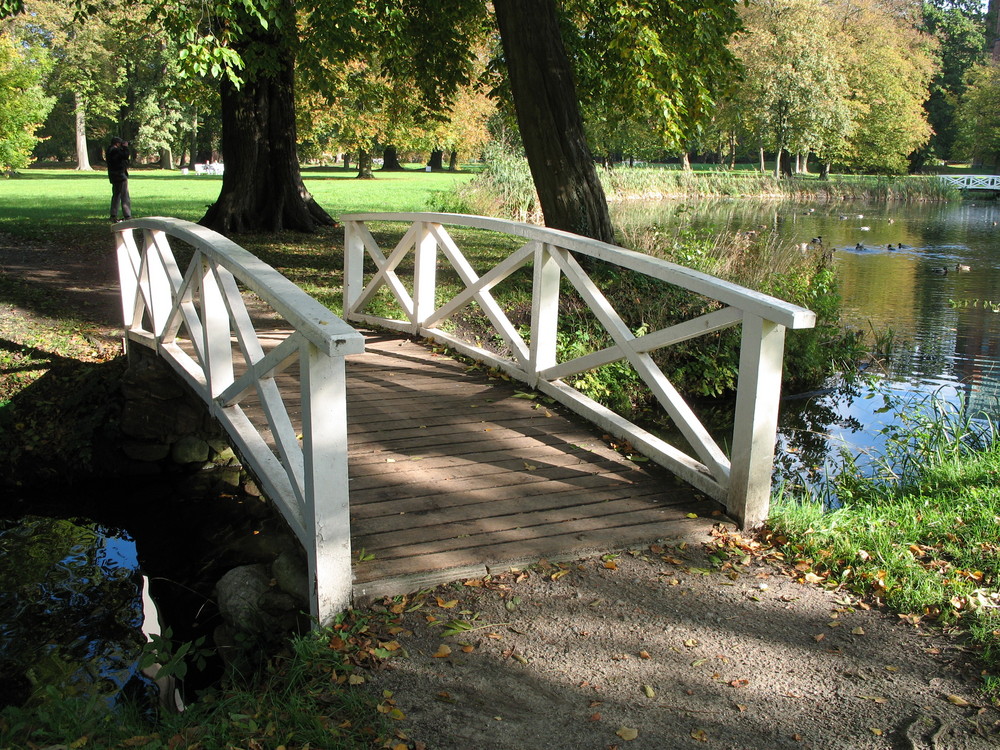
(62, 204)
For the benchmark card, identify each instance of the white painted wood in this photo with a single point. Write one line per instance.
(972, 181)
(324, 435)
(217, 347)
(205, 306)
(770, 308)
(755, 429)
(553, 256)
(544, 310)
(424, 274)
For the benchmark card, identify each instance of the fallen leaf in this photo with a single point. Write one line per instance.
(819, 637)
(355, 679)
(443, 651)
(446, 604)
(858, 631)
(740, 707)
(530, 467)
(643, 654)
(648, 690)
(610, 565)
(627, 733)
(958, 700)
(595, 716)
(699, 734)
(690, 515)
(876, 732)
(691, 643)
(468, 649)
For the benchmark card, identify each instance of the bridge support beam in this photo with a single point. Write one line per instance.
(755, 429)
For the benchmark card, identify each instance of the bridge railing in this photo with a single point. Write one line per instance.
(198, 321)
(741, 480)
(972, 181)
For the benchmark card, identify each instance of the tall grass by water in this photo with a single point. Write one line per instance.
(505, 189)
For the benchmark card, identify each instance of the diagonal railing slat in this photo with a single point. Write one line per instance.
(203, 309)
(741, 481)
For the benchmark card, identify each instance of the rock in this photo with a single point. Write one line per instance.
(292, 575)
(189, 450)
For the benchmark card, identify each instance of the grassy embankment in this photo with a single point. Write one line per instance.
(296, 696)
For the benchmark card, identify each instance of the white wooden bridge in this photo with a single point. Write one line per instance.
(397, 467)
(972, 181)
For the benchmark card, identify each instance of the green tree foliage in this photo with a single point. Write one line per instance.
(978, 136)
(959, 27)
(794, 95)
(649, 71)
(23, 103)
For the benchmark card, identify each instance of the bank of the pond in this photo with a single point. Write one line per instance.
(926, 544)
(742, 651)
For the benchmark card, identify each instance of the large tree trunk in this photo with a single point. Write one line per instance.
(390, 160)
(166, 158)
(436, 162)
(80, 110)
(686, 161)
(365, 165)
(548, 115)
(453, 162)
(262, 187)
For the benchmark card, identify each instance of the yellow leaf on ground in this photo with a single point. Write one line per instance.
(958, 700)
(443, 651)
(690, 515)
(627, 733)
(355, 679)
(699, 734)
(610, 565)
(446, 604)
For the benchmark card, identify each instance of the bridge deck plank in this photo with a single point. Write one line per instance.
(454, 472)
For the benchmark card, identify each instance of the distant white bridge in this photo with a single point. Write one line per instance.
(972, 181)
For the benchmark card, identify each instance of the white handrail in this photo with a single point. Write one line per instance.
(741, 481)
(972, 181)
(192, 319)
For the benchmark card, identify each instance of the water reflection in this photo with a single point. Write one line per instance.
(944, 329)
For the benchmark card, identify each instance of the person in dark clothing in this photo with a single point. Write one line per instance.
(117, 159)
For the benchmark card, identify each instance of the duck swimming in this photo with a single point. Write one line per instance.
(961, 268)
(939, 271)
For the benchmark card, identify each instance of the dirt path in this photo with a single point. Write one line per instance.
(664, 648)
(661, 647)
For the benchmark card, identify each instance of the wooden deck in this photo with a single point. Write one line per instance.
(453, 473)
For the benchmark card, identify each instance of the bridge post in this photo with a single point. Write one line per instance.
(544, 310)
(327, 512)
(756, 424)
(424, 276)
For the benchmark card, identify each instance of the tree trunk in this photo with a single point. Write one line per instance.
(763, 163)
(365, 165)
(824, 170)
(453, 162)
(166, 158)
(686, 161)
(436, 162)
(262, 187)
(548, 114)
(390, 160)
(80, 110)
(347, 161)
(194, 138)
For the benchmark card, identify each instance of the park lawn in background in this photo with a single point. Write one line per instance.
(61, 204)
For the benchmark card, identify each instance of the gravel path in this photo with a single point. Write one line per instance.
(663, 648)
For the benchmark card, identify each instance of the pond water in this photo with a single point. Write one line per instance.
(889, 260)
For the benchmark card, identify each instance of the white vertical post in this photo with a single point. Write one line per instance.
(544, 310)
(327, 512)
(128, 279)
(756, 423)
(218, 349)
(156, 280)
(424, 276)
(354, 263)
